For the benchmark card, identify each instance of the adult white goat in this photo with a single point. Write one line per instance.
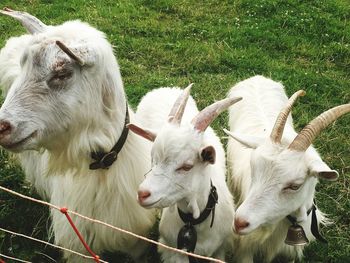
(188, 174)
(273, 176)
(65, 107)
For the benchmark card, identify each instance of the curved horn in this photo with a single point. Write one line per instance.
(304, 139)
(207, 115)
(31, 23)
(277, 131)
(178, 108)
(70, 53)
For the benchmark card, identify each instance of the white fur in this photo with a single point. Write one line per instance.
(258, 176)
(188, 190)
(10, 57)
(68, 119)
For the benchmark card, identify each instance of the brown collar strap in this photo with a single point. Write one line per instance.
(104, 160)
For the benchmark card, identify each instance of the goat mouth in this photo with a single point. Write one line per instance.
(241, 232)
(250, 229)
(15, 145)
(150, 205)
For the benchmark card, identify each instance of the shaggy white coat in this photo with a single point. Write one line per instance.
(68, 119)
(188, 190)
(259, 173)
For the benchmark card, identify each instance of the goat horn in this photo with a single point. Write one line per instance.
(277, 131)
(31, 23)
(304, 139)
(70, 53)
(178, 108)
(208, 114)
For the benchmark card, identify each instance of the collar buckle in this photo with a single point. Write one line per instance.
(104, 160)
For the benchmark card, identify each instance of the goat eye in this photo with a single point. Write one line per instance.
(62, 76)
(185, 167)
(293, 187)
(58, 78)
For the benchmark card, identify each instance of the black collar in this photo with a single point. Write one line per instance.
(104, 160)
(314, 225)
(209, 208)
(187, 236)
(293, 219)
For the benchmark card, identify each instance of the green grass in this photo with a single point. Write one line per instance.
(304, 44)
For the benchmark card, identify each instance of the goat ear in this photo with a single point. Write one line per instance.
(147, 134)
(208, 154)
(320, 169)
(248, 141)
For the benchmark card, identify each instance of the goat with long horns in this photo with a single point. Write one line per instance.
(273, 175)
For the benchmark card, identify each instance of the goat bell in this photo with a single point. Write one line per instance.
(187, 238)
(296, 236)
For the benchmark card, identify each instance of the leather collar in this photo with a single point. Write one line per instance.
(293, 219)
(187, 236)
(104, 160)
(209, 208)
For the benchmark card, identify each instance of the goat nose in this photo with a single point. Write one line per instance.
(240, 224)
(142, 195)
(5, 127)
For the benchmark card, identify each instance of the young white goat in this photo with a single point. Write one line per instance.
(188, 163)
(274, 169)
(65, 107)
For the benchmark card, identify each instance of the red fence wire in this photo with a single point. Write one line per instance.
(64, 211)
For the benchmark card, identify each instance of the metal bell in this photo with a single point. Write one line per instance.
(296, 236)
(187, 238)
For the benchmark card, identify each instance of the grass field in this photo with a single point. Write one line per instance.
(303, 44)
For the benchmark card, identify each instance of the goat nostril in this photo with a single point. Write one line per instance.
(5, 127)
(240, 224)
(142, 195)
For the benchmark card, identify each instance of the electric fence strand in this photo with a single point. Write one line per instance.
(49, 244)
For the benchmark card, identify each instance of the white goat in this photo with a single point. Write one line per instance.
(62, 105)
(186, 160)
(273, 176)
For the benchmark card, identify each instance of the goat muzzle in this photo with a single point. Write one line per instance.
(240, 224)
(142, 195)
(5, 128)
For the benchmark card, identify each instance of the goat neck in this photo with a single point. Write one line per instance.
(197, 200)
